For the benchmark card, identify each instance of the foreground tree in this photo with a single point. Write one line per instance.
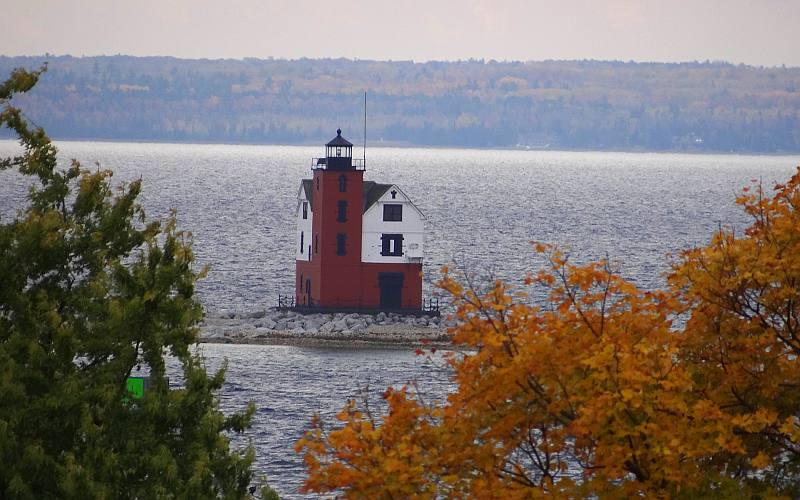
(89, 291)
(608, 390)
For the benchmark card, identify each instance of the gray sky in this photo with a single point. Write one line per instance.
(758, 32)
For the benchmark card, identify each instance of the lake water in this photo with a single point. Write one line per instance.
(482, 207)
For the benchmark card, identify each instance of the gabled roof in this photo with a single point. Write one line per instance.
(307, 187)
(339, 140)
(372, 192)
(384, 187)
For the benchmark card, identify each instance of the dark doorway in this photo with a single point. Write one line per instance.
(309, 302)
(391, 290)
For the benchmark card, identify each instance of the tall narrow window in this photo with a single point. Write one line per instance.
(392, 245)
(305, 210)
(301, 241)
(342, 184)
(341, 241)
(317, 183)
(341, 216)
(393, 212)
(316, 243)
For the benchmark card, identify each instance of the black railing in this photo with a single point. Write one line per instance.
(322, 163)
(285, 301)
(429, 306)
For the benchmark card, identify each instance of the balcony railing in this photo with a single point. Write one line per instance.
(322, 163)
(429, 306)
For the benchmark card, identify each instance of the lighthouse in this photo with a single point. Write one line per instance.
(359, 243)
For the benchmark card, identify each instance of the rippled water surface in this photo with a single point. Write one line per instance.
(289, 384)
(482, 207)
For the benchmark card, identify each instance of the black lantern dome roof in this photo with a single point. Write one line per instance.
(339, 141)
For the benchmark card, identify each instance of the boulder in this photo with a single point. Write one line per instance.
(257, 314)
(313, 324)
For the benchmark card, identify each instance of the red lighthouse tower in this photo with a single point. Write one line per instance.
(359, 244)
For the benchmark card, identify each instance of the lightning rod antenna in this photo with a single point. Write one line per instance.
(365, 130)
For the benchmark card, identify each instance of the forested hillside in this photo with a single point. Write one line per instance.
(550, 104)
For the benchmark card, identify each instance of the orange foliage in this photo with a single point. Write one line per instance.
(608, 390)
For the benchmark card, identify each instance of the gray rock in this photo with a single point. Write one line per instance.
(257, 314)
(313, 323)
(210, 333)
(262, 332)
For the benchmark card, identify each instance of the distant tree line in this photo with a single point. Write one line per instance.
(698, 106)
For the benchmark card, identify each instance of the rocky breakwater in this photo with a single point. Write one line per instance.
(272, 326)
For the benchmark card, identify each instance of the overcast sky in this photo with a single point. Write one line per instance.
(758, 32)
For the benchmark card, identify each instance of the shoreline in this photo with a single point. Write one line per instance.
(340, 343)
(336, 330)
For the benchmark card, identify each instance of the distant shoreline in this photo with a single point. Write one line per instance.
(406, 145)
(710, 107)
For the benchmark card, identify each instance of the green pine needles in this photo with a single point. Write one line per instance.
(89, 290)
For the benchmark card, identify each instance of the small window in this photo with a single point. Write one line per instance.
(316, 243)
(305, 210)
(341, 241)
(393, 212)
(394, 194)
(392, 245)
(341, 216)
(342, 184)
(317, 183)
(302, 241)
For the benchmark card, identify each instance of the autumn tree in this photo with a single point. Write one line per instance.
(89, 291)
(607, 390)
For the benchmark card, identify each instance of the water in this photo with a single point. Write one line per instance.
(482, 208)
(290, 384)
